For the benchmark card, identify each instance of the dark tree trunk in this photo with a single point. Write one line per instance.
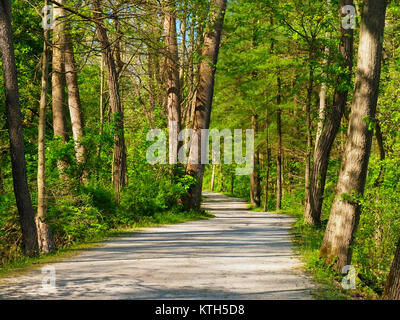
(329, 130)
(255, 188)
(119, 64)
(267, 179)
(267, 163)
(382, 153)
(345, 214)
(204, 98)
(14, 124)
(392, 288)
(279, 149)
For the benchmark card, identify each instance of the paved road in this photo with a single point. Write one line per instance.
(237, 255)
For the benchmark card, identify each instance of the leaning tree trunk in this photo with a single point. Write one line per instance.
(392, 288)
(74, 101)
(323, 91)
(173, 80)
(14, 123)
(119, 155)
(44, 234)
(204, 97)
(329, 130)
(345, 213)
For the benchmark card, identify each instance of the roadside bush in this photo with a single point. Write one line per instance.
(378, 233)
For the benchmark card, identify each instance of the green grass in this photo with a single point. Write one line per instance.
(22, 265)
(308, 241)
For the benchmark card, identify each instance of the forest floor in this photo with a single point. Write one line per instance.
(237, 255)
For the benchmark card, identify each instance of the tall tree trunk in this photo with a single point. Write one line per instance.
(279, 149)
(183, 64)
(119, 154)
(14, 124)
(333, 118)
(213, 177)
(255, 189)
(267, 179)
(392, 288)
(74, 101)
(57, 80)
(44, 234)
(101, 110)
(308, 125)
(187, 113)
(322, 99)
(152, 86)
(204, 97)
(173, 82)
(345, 213)
(267, 162)
(322, 110)
(58, 86)
(323, 91)
(119, 64)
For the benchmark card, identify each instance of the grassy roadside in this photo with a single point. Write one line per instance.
(308, 241)
(22, 265)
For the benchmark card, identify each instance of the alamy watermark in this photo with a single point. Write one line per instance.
(349, 281)
(49, 19)
(49, 280)
(195, 147)
(349, 21)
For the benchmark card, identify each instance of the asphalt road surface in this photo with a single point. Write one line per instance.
(237, 255)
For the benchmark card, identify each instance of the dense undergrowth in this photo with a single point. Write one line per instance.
(79, 213)
(90, 216)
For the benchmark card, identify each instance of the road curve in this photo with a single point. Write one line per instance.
(238, 255)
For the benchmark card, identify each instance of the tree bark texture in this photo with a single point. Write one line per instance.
(345, 212)
(14, 124)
